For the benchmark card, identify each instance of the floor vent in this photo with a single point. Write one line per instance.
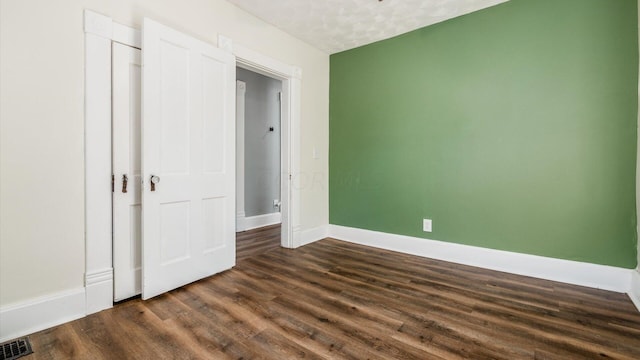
(15, 349)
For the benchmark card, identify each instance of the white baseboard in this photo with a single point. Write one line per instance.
(48, 311)
(99, 290)
(312, 235)
(239, 221)
(254, 222)
(41, 313)
(566, 271)
(634, 291)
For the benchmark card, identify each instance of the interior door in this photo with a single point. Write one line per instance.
(127, 221)
(188, 149)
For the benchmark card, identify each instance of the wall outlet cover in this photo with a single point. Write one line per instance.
(426, 225)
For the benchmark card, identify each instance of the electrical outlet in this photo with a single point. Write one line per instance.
(426, 225)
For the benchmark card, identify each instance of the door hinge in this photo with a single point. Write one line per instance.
(279, 96)
(113, 183)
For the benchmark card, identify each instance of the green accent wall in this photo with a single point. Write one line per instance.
(513, 128)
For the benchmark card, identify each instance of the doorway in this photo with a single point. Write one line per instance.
(258, 155)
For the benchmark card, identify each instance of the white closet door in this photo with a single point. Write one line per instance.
(127, 221)
(188, 144)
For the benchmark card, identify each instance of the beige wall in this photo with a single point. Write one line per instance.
(42, 132)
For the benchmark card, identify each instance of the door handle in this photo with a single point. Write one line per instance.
(154, 180)
(125, 180)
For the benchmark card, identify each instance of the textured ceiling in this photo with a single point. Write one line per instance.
(337, 25)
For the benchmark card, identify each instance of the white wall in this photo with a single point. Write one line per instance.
(261, 146)
(41, 148)
(42, 132)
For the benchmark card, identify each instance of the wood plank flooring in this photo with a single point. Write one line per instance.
(335, 300)
(257, 241)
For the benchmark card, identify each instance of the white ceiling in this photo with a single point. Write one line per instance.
(337, 25)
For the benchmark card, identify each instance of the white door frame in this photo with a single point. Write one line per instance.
(291, 77)
(100, 32)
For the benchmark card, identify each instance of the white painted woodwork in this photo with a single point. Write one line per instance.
(97, 153)
(241, 89)
(634, 288)
(188, 140)
(291, 105)
(571, 272)
(41, 313)
(309, 236)
(258, 221)
(126, 35)
(127, 207)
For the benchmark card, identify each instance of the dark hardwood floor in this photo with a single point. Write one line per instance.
(335, 300)
(258, 241)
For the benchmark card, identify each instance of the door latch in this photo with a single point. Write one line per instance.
(125, 180)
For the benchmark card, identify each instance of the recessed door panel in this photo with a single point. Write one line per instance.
(174, 112)
(213, 115)
(174, 232)
(214, 231)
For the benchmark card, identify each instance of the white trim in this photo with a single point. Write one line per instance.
(294, 89)
(566, 271)
(41, 313)
(98, 24)
(100, 32)
(240, 215)
(263, 64)
(291, 77)
(99, 290)
(258, 221)
(97, 144)
(296, 233)
(634, 289)
(127, 36)
(241, 89)
(312, 235)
